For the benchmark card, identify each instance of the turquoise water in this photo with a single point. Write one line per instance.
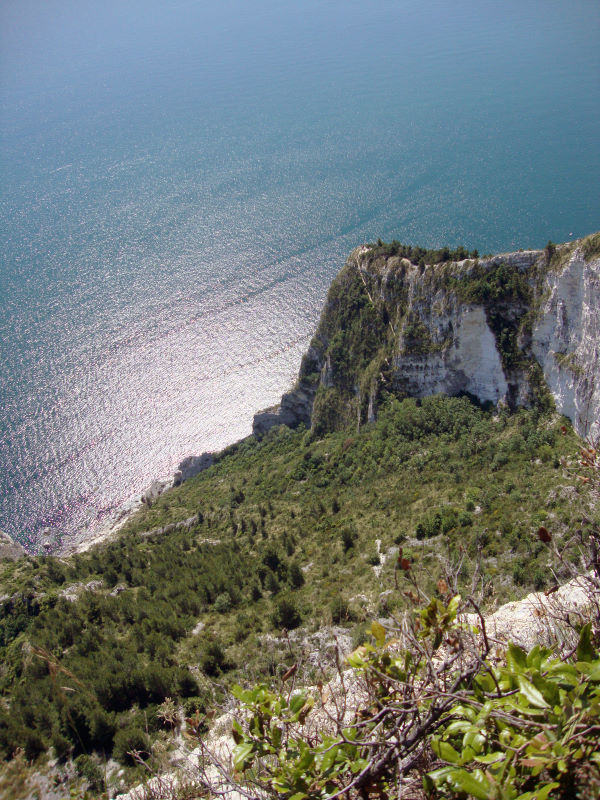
(180, 182)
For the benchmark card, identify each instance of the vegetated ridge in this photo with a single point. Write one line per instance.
(104, 652)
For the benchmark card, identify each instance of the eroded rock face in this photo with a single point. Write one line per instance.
(550, 620)
(295, 408)
(496, 328)
(191, 466)
(469, 362)
(566, 341)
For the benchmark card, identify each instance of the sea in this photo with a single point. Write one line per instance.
(180, 180)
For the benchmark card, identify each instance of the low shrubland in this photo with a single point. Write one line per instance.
(295, 532)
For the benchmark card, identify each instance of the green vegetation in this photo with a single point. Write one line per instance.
(528, 725)
(104, 653)
(591, 246)
(569, 361)
(286, 533)
(421, 255)
(522, 730)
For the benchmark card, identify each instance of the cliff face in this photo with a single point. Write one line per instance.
(514, 329)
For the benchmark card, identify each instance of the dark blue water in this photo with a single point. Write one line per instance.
(180, 182)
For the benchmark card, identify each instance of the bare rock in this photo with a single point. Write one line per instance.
(191, 466)
(10, 550)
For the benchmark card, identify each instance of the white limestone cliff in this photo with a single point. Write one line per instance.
(438, 339)
(566, 341)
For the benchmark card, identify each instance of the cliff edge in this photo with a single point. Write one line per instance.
(515, 329)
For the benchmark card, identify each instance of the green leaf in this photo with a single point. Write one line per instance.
(237, 691)
(440, 775)
(491, 758)
(458, 726)
(242, 754)
(534, 657)
(329, 759)
(356, 660)
(533, 696)
(591, 670)
(237, 735)
(516, 658)
(445, 751)
(585, 648)
(378, 633)
(473, 783)
(539, 794)
(297, 702)
(276, 735)
(453, 606)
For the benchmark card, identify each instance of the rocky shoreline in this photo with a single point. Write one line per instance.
(188, 468)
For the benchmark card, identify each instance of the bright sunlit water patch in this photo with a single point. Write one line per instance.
(181, 182)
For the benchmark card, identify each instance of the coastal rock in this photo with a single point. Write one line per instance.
(469, 362)
(154, 491)
(295, 409)
(10, 550)
(191, 466)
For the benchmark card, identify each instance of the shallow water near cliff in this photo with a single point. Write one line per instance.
(181, 182)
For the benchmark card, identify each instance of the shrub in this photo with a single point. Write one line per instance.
(213, 659)
(340, 611)
(286, 615)
(348, 537)
(296, 575)
(222, 603)
(129, 742)
(89, 770)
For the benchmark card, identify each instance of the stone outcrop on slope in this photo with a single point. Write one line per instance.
(10, 550)
(545, 619)
(566, 341)
(504, 329)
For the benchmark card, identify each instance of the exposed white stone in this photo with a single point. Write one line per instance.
(566, 341)
(470, 362)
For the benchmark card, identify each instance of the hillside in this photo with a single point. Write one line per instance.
(299, 528)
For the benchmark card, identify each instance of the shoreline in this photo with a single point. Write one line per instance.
(189, 467)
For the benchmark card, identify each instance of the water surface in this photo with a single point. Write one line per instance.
(181, 181)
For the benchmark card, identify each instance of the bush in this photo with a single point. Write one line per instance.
(89, 770)
(296, 575)
(128, 742)
(539, 578)
(222, 603)
(519, 575)
(286, 615)
(348, 537)
(213, 659)
(341, 612)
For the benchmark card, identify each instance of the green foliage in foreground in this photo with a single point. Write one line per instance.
(532, 724)
(288, 531)
(523, 730)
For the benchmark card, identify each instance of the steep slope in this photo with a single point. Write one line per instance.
(514, 330)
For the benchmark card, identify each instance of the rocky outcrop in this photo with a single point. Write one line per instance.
(10, 550)
(295, 409)
(550, 619)
(191, 466)
(566, 340)
(513, 330)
